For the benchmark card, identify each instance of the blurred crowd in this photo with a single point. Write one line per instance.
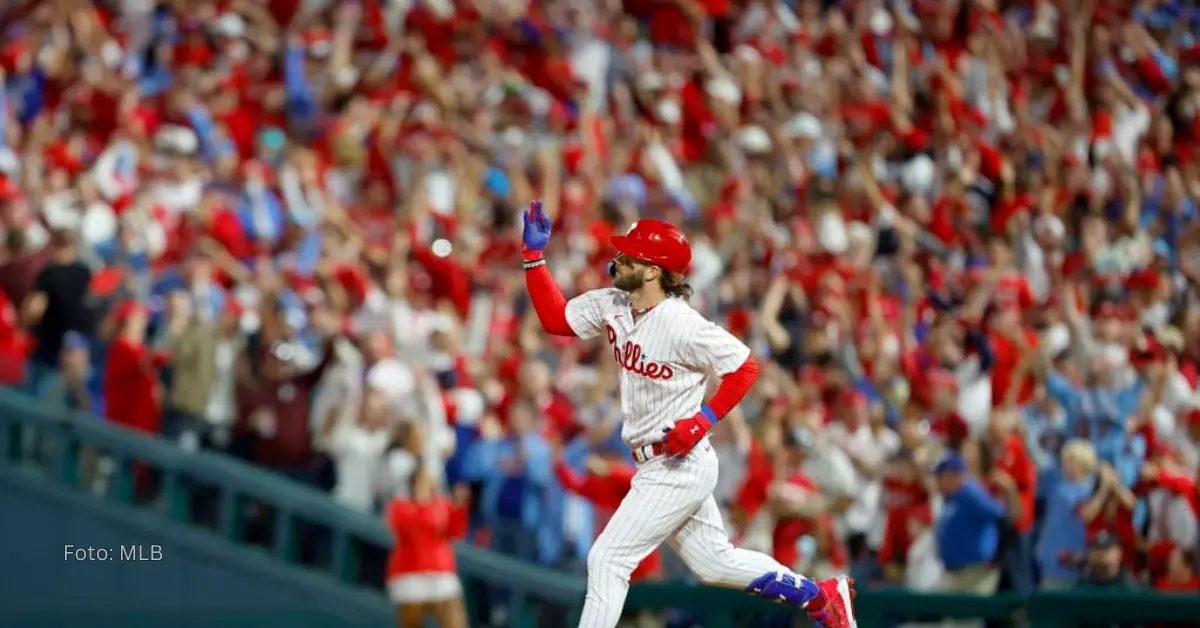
(961, 236)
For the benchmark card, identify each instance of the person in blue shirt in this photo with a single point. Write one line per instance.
(1063, 531)
(1100, 412)
(515, 471)
(968, 532)
(1045, 423)
(74, 387)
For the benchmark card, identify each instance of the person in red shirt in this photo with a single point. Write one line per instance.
(132, 390)
(422, 576)
(1168, 475)
(14, 344)
(131, 385)
(1013, 472)
(946, 424)
(796, 503)
(1013, 346)
(904, 497)
(1180, 576)
(1110, 511)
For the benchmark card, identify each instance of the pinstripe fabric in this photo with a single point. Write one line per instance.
(664, 495)
(666, 357)
(670, 501)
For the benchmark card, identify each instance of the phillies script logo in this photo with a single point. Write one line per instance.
(630, 358)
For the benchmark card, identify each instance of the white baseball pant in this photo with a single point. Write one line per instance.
(670, 500)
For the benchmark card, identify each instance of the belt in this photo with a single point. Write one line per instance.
(647, 452)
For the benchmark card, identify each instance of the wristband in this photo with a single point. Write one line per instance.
(530, 265)
(708, 413)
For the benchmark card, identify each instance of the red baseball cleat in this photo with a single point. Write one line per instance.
(838, 611)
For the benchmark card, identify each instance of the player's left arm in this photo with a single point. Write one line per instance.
(719, 352)
(734, 387)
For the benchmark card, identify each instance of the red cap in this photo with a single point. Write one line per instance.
(107, 280)
(1143, 279)
(126, 309)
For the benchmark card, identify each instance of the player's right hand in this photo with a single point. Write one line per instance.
(537, 228)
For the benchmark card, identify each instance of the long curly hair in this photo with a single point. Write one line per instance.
(676, 284)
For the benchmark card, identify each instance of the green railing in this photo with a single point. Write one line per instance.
(534, 596)
(60, 437)
(64, 435)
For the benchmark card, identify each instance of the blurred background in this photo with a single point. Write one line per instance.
(260, 290)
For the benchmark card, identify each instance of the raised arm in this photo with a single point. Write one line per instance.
(981, 504)
(548, 300)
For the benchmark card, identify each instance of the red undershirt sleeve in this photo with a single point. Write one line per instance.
(548, 301)
(733, 388)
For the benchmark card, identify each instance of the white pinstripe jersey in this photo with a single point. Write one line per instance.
(666, 357)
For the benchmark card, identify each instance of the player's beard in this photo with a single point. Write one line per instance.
(630, 280)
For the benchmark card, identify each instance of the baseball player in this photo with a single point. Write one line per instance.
(667, 351)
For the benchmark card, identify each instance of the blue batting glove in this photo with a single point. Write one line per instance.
(537, 228)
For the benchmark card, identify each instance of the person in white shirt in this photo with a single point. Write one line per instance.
(341, 389)
(922, 566)
(869, 443)
(357, 446)
(221, 411)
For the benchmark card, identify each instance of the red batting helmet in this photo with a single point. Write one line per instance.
(656, 242)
